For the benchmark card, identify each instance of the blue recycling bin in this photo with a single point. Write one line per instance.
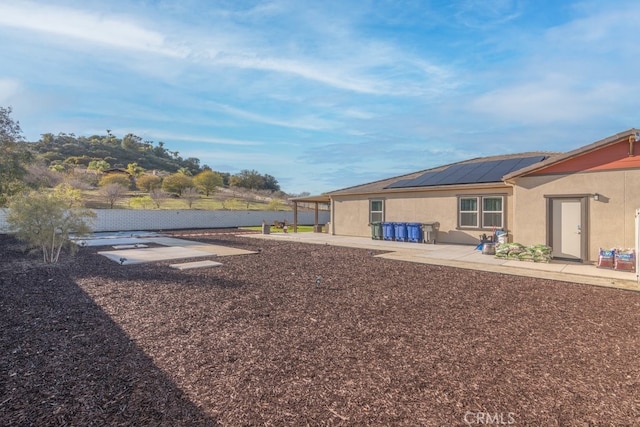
(401, 231)
(414, 232)
(388, 230)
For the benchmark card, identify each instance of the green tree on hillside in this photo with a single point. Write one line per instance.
(134, 169)
(176, 183)
(250, 179)
(207, 181)
(270, 183)
(130, 142)
(98, 165)
(185, 171)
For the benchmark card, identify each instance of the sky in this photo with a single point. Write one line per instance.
(328, 94)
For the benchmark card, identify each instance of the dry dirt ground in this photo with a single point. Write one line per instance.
(308, 335)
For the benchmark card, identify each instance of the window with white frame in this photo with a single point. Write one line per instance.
(481, 211)
(468, 216)
(376, 211)
(492, 213)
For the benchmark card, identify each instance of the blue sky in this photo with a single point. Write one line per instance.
(325, 94)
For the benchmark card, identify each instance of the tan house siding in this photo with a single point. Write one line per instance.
(350, 217)
(351, 213)
(610, 220)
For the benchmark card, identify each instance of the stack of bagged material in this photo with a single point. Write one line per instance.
(535, 253)
(606, 258)
(625, 260)
(617, 259)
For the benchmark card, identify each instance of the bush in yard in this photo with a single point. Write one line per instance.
(46, 219)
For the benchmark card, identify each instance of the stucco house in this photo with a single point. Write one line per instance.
(576, 202)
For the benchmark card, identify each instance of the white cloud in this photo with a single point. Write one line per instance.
(342, 59)
(544, 102)
(9, 88)
(579, 71)
(308, 121)
(114, 31)
(327, 72)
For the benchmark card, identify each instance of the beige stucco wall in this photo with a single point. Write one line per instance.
(610, 220)
(350, 215)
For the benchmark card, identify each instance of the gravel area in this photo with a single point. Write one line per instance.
(302, 334)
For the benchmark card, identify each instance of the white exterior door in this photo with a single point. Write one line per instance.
(567, 228)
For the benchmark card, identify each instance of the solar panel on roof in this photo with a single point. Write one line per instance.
(400, 184)
(424, 179)
(469, 173)
(501, 168)
(473, 172)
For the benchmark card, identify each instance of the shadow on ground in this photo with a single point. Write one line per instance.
(65, 362)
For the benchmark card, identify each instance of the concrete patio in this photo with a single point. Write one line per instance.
(463, 256)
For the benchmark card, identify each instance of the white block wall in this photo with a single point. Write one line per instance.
(128, 219)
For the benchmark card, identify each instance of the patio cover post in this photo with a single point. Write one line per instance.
(315, 218)
(295, 217)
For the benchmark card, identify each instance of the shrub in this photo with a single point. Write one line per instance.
(141, 202)
(46, 219)
(148, 182)
(115, 178)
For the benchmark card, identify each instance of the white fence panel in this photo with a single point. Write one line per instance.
(129, 219)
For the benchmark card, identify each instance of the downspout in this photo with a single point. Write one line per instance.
(632, 139)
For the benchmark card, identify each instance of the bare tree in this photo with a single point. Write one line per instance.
(158, 196)
(39, 175)
(113, 192)
(190, 195)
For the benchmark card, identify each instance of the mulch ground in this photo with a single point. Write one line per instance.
(308, 335)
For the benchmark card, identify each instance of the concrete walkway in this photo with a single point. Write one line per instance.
(463, 256)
